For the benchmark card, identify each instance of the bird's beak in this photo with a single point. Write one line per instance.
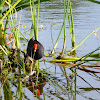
(35, 47)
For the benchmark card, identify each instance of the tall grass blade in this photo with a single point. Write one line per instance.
(16, 34)
(34, 27)
(96, 55)
(82, 41)
(64, 27)
(37, 20)
(72, 25)
(33, 13)
(95, 1)
(31, 31)
(10, 9)
(8, 95)
(24, 4)
(52, 52)
(1, 7)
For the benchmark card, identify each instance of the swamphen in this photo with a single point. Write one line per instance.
(35, 49)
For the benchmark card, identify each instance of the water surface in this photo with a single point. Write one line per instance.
(86, 19)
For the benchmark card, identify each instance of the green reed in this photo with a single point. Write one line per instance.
(67, 13)
(33, 13)
(65, 16)
(1, 21)
(83, 40)
(11, 7)
(71, 24)
(95, 1)
(64, 28)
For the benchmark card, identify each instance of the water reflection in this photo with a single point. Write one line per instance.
(36, 90)
(56, 82)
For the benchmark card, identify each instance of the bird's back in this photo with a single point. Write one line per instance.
(30, 49)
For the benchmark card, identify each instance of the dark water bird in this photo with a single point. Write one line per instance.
(35, 49)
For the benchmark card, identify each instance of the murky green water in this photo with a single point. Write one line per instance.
(86, 19)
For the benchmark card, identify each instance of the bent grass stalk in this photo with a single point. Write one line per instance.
(76, 59)
(10, 9)
(85, 57)
(96, 55)
(82, 41)
(71, 60)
